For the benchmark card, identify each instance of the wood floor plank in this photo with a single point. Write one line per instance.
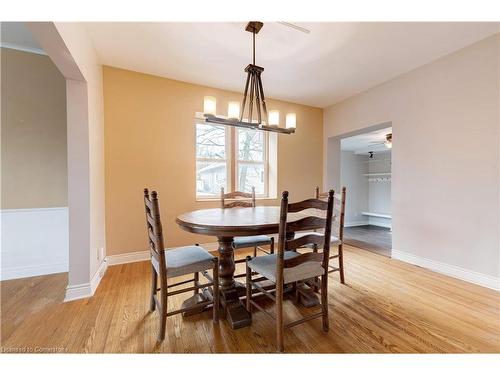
(387, 306)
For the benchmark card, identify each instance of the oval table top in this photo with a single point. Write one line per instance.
(240, 221)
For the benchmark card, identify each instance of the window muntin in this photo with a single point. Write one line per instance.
(230, 157)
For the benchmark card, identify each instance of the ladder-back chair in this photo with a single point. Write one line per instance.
(176, 262)
(243, 199)
(337, 236)
(288, 266)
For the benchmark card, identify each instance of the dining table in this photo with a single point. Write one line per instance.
(225, 224)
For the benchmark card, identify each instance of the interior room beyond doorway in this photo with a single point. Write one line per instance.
(366, 172)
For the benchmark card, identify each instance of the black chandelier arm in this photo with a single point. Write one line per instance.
(244, 97)
(257, 100)
(262, 96)
(250, 107)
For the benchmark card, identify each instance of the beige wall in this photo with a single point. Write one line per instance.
(34, 157)
(445, 167)
(149, 141)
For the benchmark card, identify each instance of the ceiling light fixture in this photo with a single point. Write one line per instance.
(388, 140)
(255, 98)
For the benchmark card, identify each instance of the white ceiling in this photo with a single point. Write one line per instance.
(363, 143)
(334, 61)
(17, 35)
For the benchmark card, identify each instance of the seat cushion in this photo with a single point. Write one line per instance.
(188, 259)
(251, 241)
(333, 240)
(266, 266)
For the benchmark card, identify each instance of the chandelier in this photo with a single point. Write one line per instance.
(253, 103)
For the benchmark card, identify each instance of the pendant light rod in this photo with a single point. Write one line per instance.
(253, 47)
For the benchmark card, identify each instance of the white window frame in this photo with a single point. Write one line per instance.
(264, 162)
(232, 161)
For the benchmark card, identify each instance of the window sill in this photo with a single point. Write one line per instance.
(218, 199)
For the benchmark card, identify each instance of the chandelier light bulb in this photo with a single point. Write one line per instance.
(274, 118)
(291, 121)
(209, 105)
(233, 110)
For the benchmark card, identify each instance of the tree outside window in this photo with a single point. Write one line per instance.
(229, 157)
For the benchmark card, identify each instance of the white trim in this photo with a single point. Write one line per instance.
(355, 223)
(137, 256)
(79, 291)
(38, 51)
(37, 209)
(31, 271)
(86, 290)
(448, 269)
(144, 255)
(375, 214)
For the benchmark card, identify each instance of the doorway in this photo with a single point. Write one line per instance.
(366, 172)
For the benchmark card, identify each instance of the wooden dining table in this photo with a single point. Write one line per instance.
(225, 224)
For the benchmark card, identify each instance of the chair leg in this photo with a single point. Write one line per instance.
(272, 245)
(248, 286)
(341, 264)
(316, 279)
(254, 251)
(154, 285)
(324, 301)
(163, 311)
(216, 290)
(196, 280)
(279, 318)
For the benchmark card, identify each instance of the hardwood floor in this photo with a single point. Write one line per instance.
(386, 306)
(370, 237)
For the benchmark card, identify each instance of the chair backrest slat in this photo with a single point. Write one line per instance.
(303, 258)
(307, 204)
(238, 199)
(338, 210)
(309, 239)
(155, 231)
(305, 223)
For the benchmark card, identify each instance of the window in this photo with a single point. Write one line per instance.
(211, 159)
(251, 163)
(230, 157)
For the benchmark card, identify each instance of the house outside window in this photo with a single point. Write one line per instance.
(233, 158)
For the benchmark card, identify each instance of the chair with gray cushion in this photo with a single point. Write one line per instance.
(337, 236)
(288, 266)
(166, 264)
(242, 199)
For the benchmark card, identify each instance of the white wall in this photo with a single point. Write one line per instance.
(352, 170)
(34, 242)
(71, 49)
(445, 171)
(82, 50)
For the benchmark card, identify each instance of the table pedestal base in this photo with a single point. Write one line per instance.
(204, 296)
(236, 314)
(307, 297)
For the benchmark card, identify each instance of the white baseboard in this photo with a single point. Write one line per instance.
(79, 291)
(448, 269)
(136, 256)
(143, 255)
(86, 290)
(356, 223)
